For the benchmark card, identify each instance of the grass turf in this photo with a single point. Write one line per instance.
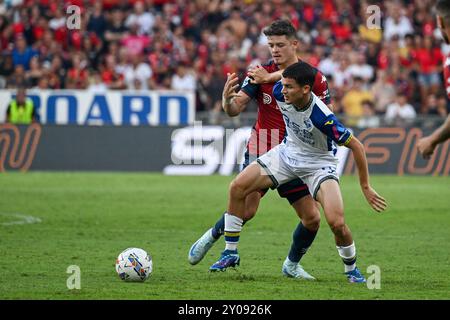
(89, 218)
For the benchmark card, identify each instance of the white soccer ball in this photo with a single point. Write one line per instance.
(134, 265)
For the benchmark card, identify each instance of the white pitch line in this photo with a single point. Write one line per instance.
(23, 219)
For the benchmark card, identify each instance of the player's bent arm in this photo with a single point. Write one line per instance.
(442, 133)
(274, 76)
(235, 105)
(271, 77)
(426, 145)
(377, 202)
(359, 154)
(259, 75)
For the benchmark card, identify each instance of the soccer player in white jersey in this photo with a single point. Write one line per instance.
(307, 152)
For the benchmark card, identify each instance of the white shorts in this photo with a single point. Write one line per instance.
(281, 172)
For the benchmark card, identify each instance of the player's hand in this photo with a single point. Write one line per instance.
(377, 202)
(258, 75)
(425, 147)
(229, 89)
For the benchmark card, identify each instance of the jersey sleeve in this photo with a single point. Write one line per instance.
(277, 87)
(320, 88)
(329, 125)
(336, 131)
(250, 89)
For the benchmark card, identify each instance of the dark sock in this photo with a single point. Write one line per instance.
(218, 228)
(302, 240)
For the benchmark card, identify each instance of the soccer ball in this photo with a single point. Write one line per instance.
(134, 265)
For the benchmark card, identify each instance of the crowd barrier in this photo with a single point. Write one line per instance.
(134, 108)
(190, 150)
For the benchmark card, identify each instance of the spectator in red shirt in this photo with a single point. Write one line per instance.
(429, 61)
(78, 75)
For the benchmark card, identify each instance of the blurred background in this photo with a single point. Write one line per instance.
(191, 45)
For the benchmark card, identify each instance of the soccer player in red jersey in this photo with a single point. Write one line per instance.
(426, 145)
(268, 132)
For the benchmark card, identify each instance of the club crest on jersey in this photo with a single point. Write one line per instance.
(267, 98)
(308, 124)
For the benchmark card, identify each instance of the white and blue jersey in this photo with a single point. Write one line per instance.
(311, 134)
(308, 150)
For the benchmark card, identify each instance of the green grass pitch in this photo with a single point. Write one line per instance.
(87, 219)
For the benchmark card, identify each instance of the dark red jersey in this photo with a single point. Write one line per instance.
(269, 129)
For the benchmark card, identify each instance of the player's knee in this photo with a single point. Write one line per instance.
(237, 189)
(309, 214)
(337, 226)
(312, 223)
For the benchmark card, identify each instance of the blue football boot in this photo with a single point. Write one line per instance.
(355, 276)
(229, 258)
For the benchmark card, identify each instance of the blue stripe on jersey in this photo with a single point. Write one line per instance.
(277, 91)
(318, 118)
(330, 126)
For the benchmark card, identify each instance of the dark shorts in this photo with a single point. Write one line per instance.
(292, 190)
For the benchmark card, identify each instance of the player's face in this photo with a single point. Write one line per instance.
(293, 93)
(282, 48)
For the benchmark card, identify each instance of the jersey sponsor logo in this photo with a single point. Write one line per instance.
(300, 132)
(267, 98)
(329, 122)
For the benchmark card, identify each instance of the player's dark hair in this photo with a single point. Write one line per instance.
(301, 72)
(443, 9)
(280, 28)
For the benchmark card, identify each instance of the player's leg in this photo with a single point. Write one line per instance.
(297, 193)
(329, 196)
(268, 171)
(199, 249)
(252, 200)
(248, 181)
(251, 206)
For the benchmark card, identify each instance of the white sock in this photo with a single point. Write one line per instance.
(232, 230)
(348, 255)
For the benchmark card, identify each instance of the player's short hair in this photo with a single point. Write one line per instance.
(280, 28)
(301, 72)
(443, 9)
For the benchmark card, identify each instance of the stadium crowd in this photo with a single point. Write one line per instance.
(394, 72)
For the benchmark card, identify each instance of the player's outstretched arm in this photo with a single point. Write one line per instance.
(259, 75)
(426, 145)
(233, 103)
(377, 202)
